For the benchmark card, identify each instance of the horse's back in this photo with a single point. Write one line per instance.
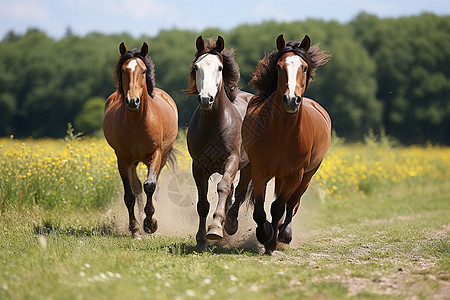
(321, 122)
(318, 112)
(241, 102)
(166, 98)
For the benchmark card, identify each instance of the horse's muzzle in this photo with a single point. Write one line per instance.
(133, 104)
(292, 104)
(205, 103)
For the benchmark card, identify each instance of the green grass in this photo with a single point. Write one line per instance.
(390, 245)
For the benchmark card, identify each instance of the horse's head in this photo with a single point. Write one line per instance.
(135, 75)
(293, 74)
(208, 69)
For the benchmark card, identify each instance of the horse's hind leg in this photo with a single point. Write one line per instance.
(129, 198)
(285, 229)
(231, 221)
(150, 223)
(201, 181)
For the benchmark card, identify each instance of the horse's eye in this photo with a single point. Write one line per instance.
(143, 72)
(195, 68)
(305, 69)
(278, 67)
(220, 68)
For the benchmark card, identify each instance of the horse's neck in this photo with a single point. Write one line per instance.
(136, 117)
(280, 119)
(218, 110)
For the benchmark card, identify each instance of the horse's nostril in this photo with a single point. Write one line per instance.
(211, 99)
(298, 100)
(137, 101)
(285, 99)
(127, 100)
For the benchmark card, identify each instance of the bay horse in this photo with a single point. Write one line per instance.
(214, 136)
(141, 125)
(285, 134)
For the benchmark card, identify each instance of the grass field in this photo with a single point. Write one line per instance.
(374, 225)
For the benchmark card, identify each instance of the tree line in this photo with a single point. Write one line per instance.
(389, 75)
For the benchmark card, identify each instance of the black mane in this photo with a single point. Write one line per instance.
(266, 75)
(231, 74)
(150, 76)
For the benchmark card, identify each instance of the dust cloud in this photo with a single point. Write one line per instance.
(175, 210)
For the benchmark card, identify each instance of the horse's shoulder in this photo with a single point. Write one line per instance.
(164, 97)
(316, 110)
(111, 99)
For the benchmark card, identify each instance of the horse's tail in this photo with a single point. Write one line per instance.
(172, 160)
(250, 195)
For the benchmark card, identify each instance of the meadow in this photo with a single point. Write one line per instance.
(373, 225)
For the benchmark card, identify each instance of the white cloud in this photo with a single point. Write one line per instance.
(25, 10)
(135, 9)
(269, 10)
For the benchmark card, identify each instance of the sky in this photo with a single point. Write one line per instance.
(149, 17)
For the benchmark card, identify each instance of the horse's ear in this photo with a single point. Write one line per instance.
(306, 43)
(122, 48)
(200, 44)
(280, 42)
(220, 44)
(144, 49)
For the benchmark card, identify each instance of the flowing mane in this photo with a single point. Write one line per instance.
(150, 76)
(230, 73)
(265, 77)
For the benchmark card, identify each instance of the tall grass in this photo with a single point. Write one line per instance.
(82, 173)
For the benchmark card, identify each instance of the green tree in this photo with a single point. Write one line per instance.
(90, 119)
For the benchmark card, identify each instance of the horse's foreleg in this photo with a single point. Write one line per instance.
(231, 221)
(201, 181)
(264, 231)
(154, 166)
(136, 187)
(129, 198)
(224, 191)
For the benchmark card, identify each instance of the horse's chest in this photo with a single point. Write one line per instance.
(279, 158)
(211, 155)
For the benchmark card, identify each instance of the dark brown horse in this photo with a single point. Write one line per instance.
(285, 135)
(141, 125)
(214, 135)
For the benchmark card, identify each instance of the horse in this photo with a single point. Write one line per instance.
(285, 134)
(214, 136)
(141, 125)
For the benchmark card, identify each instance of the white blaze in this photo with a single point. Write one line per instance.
(293, 63)
(208, 77)
(132, 65)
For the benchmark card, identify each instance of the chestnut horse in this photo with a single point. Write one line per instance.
(285, 135)
(141, 125)
(214, 136)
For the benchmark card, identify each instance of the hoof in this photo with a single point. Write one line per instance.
(137, 235)
(268, 252)
(200, 247)
(285, 234)
(214, 232)
(231, 226)
(150, 225)
(264, 233)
